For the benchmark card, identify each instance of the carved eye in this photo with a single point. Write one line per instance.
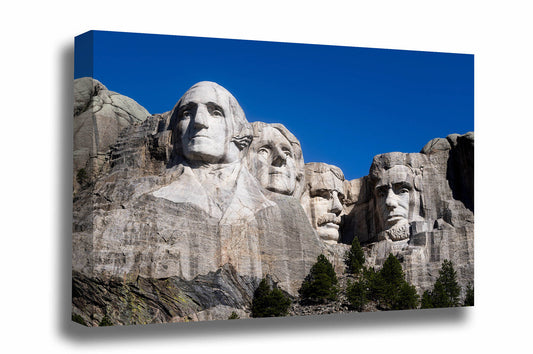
(404, 190)
(382, 192)
(215, 110)
(263, 151)
(186, 114)
(323, 193)
(287, 153)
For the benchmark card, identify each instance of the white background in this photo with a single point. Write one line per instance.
(36, 105)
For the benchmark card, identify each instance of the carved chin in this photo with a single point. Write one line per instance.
(200, 153)
(329, 232)
(281, 184)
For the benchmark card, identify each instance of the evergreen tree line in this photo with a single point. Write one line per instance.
(390, 291)
(386, 288)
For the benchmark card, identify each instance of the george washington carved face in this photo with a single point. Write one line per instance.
(208, 117)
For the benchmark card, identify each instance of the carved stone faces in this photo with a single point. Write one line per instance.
(210, 134)
(275, 158)
(206, 124)
(393, 193)
(323, 200)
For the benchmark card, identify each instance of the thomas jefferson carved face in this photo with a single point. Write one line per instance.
(393, 192)
(205, 124)
(274, 161)
(326, 194)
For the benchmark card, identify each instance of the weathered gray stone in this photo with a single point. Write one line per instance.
(184, 211)
(172, 229)
(397, 201)
(275, 159)
(436, 218)
(322, 199)
(141, 300)
(99, 117)
(437, 144)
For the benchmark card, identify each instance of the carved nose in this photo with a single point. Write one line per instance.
(201, 118)
(336, 206)
(279, 157)
(391, 202)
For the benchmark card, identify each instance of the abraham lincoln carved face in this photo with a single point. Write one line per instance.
(393, 192)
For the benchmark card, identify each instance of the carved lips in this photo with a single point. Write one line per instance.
(285, 172)
(195, 136)
(330, 220)
(395, 217)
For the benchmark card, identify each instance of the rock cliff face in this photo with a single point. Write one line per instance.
(168, 229)
(439, 221)
(99, 117)
(153, 215)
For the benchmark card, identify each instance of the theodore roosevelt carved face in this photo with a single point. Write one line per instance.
(393, 193)
(324, 200)
(208, 122)
(275, 158)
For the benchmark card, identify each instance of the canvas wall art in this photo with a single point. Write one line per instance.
(220, 179)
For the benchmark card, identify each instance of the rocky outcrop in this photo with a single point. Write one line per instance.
(99, 117)
(211, 296)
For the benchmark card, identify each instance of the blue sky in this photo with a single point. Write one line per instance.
(344, 104)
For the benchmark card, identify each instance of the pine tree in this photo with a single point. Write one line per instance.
(375, 284)
(354, 258)
(357, 294)
(439, 298)
(392, 272)
(407, 297)
(392, 275)
(426, 303)
(446, 290)
(269, 302)
(320, 284)
(469, 298)
(391, 289)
